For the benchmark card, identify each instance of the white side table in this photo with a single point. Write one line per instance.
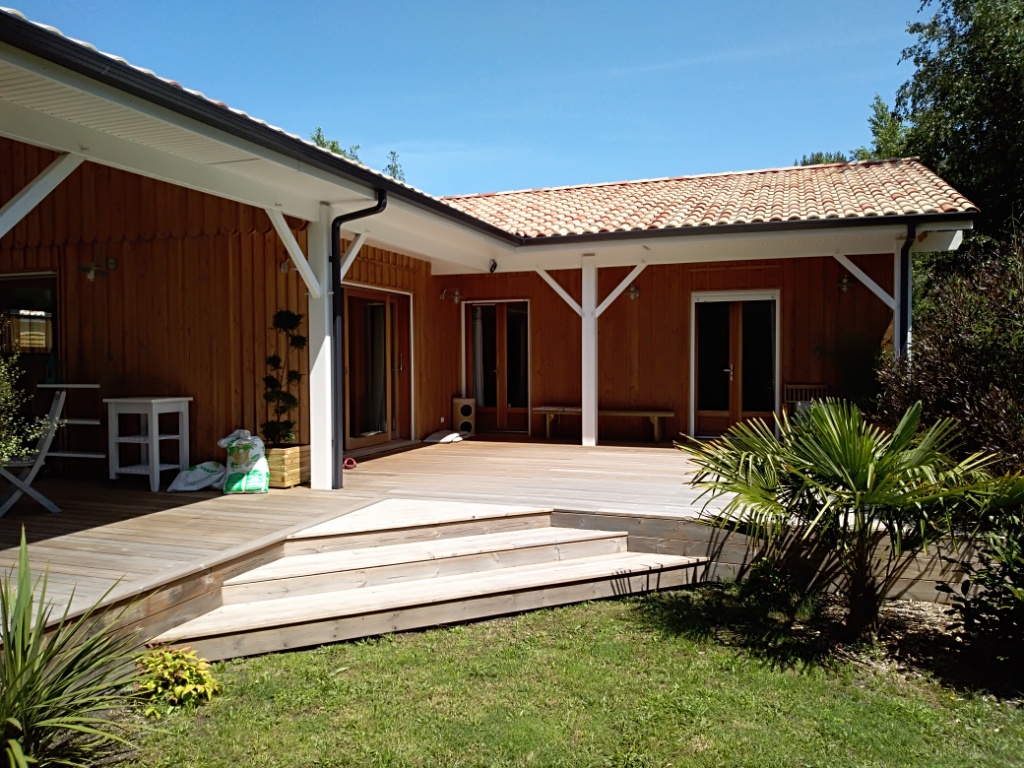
(148, 409)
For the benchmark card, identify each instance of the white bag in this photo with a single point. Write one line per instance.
(209, 474)
(247, 470)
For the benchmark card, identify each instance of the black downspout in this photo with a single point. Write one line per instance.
(337, 334)
(905, 290)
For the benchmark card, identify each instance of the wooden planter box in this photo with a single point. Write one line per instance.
(288, 466)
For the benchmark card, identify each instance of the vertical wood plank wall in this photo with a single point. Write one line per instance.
(188, 309)
(827, 335)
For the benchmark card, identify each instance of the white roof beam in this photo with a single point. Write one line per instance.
(19, 206)
(561, 292)
(351, 252)
(295, 252)
(620, 288)
(865, 278)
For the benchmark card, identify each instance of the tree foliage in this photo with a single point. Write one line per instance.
(965, 102)
(822, 158)
(888, 134)
(17, 433)
(393, 168)
(333, 145)
(967, 350)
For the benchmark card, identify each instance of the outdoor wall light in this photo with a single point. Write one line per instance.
(455, 295)
(844, 282)
(632, 292)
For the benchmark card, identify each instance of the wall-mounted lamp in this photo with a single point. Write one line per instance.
(844, 282)
(632, 292)
(455, 295)
(284, 266)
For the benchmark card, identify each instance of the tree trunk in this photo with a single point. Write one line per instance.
(862, 611)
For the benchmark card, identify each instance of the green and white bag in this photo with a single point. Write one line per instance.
(247, 468)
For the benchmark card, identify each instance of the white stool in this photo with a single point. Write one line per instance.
(148, 409)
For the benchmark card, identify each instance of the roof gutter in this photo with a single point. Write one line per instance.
(337, 332)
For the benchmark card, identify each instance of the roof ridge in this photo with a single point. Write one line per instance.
(684, 177)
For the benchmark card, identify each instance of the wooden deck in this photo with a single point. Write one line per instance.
(133, 541)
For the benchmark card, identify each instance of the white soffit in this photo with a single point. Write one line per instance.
(66, 112)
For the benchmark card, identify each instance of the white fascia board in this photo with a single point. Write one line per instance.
(716, 247)
(39, 129)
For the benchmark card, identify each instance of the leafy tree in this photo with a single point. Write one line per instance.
(394, 168)
(965, 102)
(822, 158)
(888, 134)
(846, 503)
(318, 138)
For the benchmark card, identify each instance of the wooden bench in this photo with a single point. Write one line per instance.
(552, 412)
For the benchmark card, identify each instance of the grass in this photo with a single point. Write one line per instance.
(631, 683)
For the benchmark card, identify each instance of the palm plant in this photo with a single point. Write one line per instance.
(59, 685)
(845, 502)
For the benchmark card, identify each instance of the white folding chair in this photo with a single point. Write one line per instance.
(21, 482)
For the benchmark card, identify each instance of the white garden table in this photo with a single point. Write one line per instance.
(149, 437)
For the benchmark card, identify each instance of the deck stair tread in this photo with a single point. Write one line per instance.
(280, 612)
(398, 514)
(337, 561)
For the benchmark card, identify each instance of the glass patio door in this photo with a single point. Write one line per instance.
(735, 358)
(376, 368)
(498, 362)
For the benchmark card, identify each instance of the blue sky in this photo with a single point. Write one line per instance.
(484, 96)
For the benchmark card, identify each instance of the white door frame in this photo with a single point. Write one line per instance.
(705, 297)
(529, 350)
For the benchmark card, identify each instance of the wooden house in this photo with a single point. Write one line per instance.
(148, 234)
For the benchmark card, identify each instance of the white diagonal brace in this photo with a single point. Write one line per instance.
(561, 292)
(298, 257)
(35, 191)
(863, 276)
(351, 252)
(620, 288)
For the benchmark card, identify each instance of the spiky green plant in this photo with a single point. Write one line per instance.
(847, 504)
(60, 685)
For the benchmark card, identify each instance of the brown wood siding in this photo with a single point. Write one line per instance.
(434, 326)
(827, 335)
(188, 309)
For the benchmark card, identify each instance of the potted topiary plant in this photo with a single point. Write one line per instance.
(289, 463)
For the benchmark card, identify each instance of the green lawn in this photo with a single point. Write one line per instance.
(622, 683)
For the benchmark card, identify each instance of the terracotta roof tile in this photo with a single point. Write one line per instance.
(839, 191)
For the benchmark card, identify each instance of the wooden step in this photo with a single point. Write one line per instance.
(401, 521)
(377, 566)
(245, 629)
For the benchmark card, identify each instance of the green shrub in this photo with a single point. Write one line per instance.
(989, 603)
(59, 686)
(175, 677)
(967, 350)
(17, 434)
(848, 502)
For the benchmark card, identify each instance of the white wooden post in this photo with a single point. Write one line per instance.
(589, 351)
(903, 284)
(321, 440)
